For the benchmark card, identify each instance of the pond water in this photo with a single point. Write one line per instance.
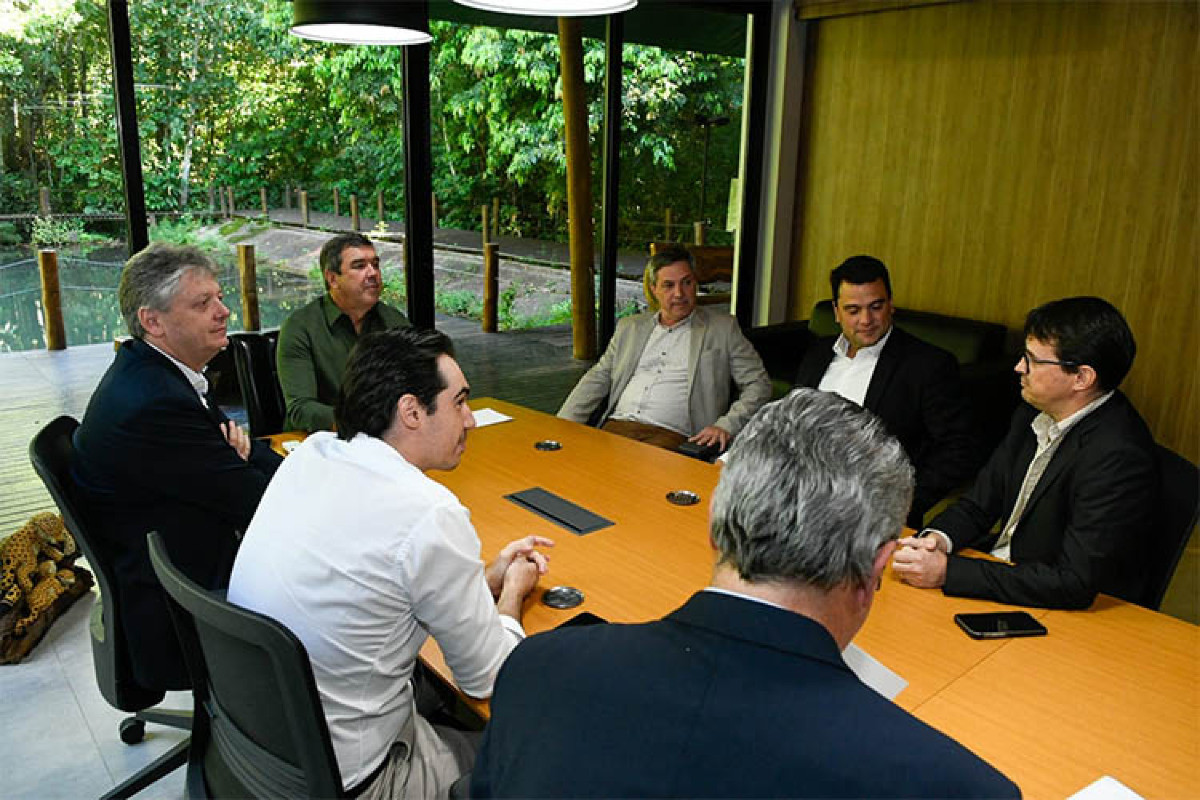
(89, 279)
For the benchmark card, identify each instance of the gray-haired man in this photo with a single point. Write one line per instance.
(153, 454)
(742, 692)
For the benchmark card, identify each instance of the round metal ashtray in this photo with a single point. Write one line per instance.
(683, 497)
(547, 444)
(562, 597)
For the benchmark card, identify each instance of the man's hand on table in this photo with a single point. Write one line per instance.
(712, 435)
(520, 551)
(921, 561)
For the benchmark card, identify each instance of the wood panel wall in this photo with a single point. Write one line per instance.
(999, 155)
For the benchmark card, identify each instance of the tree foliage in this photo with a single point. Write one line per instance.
(227, 98)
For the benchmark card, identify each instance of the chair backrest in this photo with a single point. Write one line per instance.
(259, 730)
(254, 355)
(51, 452)
(1179, 502)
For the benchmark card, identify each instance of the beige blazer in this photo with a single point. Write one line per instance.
(719, 357)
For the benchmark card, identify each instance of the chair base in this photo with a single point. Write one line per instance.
(166, 764)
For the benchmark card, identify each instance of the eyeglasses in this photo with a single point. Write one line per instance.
(1030, 359)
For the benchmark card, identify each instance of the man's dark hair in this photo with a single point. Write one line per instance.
(383, 367)
(1086, 330)
(859, 270)
(331, 252)
(671, 254)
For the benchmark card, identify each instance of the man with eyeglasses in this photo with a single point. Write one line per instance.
(1063, 502)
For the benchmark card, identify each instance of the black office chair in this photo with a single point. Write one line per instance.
(259, 729)
(1176, 518)
(51, 452)
(258, 377)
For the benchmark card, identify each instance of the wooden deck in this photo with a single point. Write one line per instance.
(533, 368)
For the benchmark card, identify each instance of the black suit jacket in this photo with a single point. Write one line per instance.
(1083, 530)
(725, 697)
(150, 457)
(915, 391)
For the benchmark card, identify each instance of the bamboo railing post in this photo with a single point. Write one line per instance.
(379, 206)
(698, 232)
(434, 209)
(52, 317)
(229, 193)
(667, 227)
(212, 200)
(44, 200)
(483, 213)
(337, 203)
(262, 201)
(248, 274)
(354, 212)
(579, 189)
(491, 286)
(495, 219)
(287, 196)
(304, 207)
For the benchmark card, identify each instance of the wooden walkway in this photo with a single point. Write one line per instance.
(531, 367)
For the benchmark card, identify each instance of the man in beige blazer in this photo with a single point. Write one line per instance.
(667, 376)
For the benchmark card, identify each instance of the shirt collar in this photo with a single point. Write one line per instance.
(1048, 431)
(842, 346)
(333, 312)
(683, 323)
(196, 379)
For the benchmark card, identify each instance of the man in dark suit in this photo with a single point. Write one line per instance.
(911, 385)
(153, 454)
(1072, 486)
(743, 691)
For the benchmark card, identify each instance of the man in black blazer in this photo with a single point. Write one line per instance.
(743, 691)
(1068, 496)
(153, 454)
(910, 384)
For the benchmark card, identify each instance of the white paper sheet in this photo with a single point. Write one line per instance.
(489, 416)
(872, 673)
(1106, 788)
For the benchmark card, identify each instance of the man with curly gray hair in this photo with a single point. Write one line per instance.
(743, 691)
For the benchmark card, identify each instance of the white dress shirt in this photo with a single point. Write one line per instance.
(850, 377)
(657, 392)
(362, 557)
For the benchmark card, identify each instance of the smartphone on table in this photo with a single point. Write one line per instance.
(999, 624)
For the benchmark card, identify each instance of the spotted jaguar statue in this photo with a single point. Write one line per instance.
(43, 538)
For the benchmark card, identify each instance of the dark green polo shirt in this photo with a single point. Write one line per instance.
(314, 345)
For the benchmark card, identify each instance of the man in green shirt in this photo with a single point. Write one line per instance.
(316, 340)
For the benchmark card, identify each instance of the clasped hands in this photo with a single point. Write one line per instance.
(921, 561)
(515, 571)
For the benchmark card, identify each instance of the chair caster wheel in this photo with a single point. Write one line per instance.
(133, 730)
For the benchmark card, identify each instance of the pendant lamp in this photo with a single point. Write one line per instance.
(552, 8)
(385, 22)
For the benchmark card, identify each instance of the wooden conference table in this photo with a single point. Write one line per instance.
(1110, 691)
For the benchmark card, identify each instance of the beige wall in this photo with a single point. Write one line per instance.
(998, 155)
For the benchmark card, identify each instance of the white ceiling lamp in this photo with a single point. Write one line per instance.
(552, 8)
(382, 22)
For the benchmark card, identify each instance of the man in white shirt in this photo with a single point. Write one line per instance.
(362, 556)
(908, 383)
(665, 377)
(1072, 488)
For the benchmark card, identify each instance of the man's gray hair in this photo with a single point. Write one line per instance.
(812, 488)
(151, 279)
(670, 254)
